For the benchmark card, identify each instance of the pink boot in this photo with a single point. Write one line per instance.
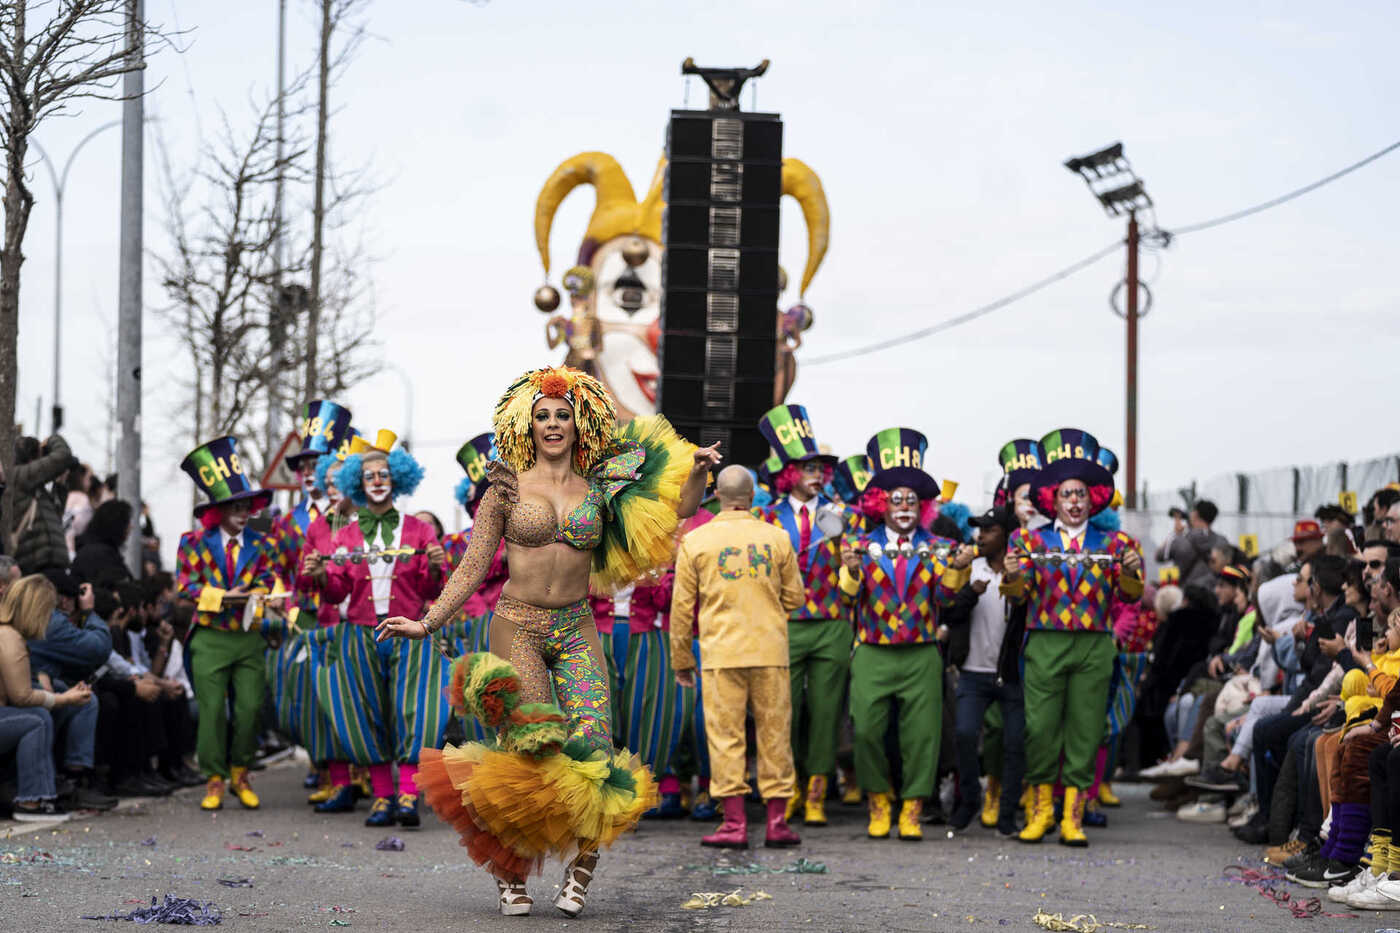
(733, 833)
(780, 835)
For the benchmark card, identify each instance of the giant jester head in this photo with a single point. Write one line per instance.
(613, 328)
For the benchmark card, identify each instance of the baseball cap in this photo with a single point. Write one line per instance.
(1306, 530)
(1001, 517)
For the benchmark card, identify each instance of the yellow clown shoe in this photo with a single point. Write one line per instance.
(794, 801)
(850, 790)
(1040, 816)
(324, 791)
(991, 803)
(814, 812)
(243, 790)
(879, 827)
(1107, 798)
(910, 828)
(1072, 823)
(213, 794)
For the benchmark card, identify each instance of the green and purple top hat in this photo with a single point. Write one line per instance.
(897, 457)
(1020, 460)
(474, 456)
(218, 471)
(789, 432)
(325, 426)
(1108, 460)
(1070, 453)
(851, 476)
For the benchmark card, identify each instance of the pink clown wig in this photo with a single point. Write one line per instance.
(787, 478)
(1099, 498)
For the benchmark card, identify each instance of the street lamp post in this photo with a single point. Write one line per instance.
(1120, 191)
(60, 180)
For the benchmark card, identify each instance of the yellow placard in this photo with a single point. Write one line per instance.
(950, 489)
(1250, 545)
(1347, 500)
(1168, 575)
(211, 599)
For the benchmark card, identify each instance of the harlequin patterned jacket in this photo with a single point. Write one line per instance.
(821, 581)
(201, 565)
(885, 616)
(1071, 598)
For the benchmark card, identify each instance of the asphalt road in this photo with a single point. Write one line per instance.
(310, 872)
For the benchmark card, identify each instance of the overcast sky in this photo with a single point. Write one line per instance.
(938, 131)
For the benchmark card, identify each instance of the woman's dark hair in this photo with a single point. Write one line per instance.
(1382, 500)
(73, 481)
(111, 522)
(1356, 578)
(26, 450)
(1206, 509)
(1391, 573)
(435, 522)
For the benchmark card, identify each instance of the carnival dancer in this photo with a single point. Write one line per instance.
(1069, 647)
(325, 427)
(743, 576)
(344, 783)
(896, 596)
(819, 635)
(468, 631)
(384, 700)
(217, 570)
(577, 501)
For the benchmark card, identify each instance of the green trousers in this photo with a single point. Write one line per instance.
(819, 660)
(912, 675)
(1066, 685)
(222, 660)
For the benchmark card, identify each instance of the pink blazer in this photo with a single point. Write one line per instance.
(415, 582)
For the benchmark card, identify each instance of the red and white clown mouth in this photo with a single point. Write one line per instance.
(647, 383)
(378, 492)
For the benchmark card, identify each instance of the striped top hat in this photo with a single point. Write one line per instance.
(789, 432)
(474, 456)
(1020, 460)
(324, 428)
(897, 457)
(218, 471)
(1072, 454)
(851, 476)
(767, 470)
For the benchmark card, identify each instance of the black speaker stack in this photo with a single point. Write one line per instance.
(719, 277)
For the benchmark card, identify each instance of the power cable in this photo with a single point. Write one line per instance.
(972, 315)
(1165, 236)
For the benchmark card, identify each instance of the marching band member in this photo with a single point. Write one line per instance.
(217, 569)
(1069, 649)
(819, 634)
(897, 598)
(361, 673)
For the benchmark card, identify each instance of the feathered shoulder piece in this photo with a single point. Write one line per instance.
(595, 418)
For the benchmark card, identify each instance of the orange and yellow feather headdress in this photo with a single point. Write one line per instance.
(595, 418)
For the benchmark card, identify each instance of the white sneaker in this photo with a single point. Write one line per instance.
(1183, 767)
(1159, 770)
(1371, 898)
(1202, 812)
(1340, 893)
(1248, 814)
(1388, 886)
(1242, 803)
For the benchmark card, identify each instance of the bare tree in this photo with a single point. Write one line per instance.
(79, 50)
(336, 16)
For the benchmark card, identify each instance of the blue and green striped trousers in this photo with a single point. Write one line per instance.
(383, 700)
(660, 713)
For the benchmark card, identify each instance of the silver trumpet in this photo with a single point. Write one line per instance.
(374, 555)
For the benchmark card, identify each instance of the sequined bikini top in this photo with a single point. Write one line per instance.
(534, 524)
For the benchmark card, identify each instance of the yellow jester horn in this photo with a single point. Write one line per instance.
(804, 185)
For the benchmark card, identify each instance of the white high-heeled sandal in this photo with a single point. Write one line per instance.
(577, 874)
(515, 902)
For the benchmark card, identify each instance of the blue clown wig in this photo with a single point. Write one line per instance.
(323, 469)
(1107, 520)
(404, 472)
(463, 490)
(960, 515)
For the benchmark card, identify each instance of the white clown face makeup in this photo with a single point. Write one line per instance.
(627, 303)
(306, 474)
(378, 484)
(902, 512)
(332, 490)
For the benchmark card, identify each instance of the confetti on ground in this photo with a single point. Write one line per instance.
(258, 833)
(340, 923)
(236, 882)
(1081, 923)
(705, 900)
(149, 841)
(390, 844)
(800, 867)
(177, 910)
(233, 848)
(1264, 882)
